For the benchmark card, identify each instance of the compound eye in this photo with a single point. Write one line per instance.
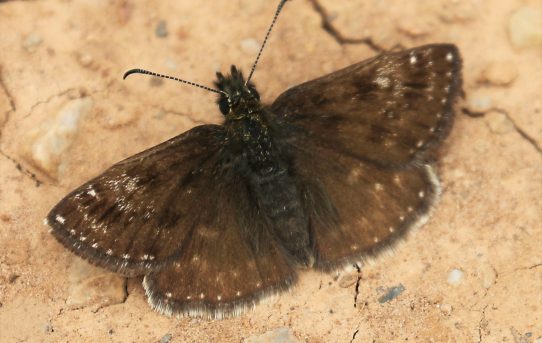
(224, 105)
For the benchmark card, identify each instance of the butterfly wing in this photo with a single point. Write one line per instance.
(133, 217)
(359, 140)
(389, 110)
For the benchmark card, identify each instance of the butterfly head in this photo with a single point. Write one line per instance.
(237, 95)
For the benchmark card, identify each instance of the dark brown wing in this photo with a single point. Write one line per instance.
(228, 265)
(388, 110)
(359, 141)
(358, 209)
(133, 217)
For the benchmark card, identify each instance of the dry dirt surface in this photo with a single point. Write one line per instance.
(473, 273)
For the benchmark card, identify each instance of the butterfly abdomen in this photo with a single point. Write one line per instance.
(278, 199)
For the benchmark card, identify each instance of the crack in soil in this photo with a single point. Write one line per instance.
(482, 324)
(41, 102)
(354, 335)
(11, 101)
(517, 128)
(535, 266)
(358, 281)
(6, 90)
(338, 36)
(22, 169)
(168, 111)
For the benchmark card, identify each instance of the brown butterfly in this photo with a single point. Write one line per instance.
(333, 171)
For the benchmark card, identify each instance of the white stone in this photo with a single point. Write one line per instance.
(52, 140)
(455, 276)
(93, 286)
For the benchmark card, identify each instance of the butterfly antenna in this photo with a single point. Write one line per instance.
(279, 8)
(146, 72)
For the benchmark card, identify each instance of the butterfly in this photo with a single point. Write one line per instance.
(335, 170)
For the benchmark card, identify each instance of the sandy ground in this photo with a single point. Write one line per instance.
(472, 274)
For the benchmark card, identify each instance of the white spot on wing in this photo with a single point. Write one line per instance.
(109, 252)
(60, 219)
(449, 57)
(383, 81)
(413, 59)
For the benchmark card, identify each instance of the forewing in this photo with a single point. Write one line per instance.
(134, 216)
(230, 262)
(388, 110)
(357, 209)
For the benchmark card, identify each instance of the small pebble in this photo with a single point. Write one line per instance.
(479, 102)
(501, 73)
(161, 29)
(48, 328)
(167, 338)
(250, 46)
(348, 280)
(280, 335)
(498, 122)
(392, 293)
(446, 309)
(455, 276)
(525, 28)
(92, 286)
(85, 60)
(32, 41)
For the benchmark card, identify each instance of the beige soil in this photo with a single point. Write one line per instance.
(487, 227)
